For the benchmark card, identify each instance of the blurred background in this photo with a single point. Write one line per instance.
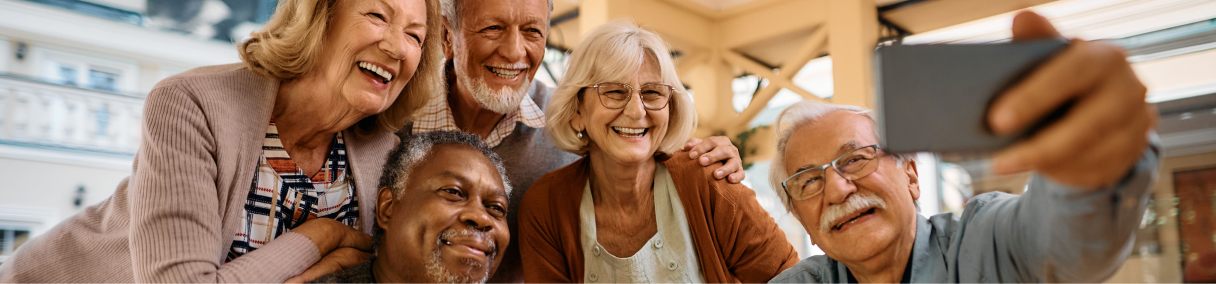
(74, 73)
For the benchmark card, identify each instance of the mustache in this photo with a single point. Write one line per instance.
(851, 204)
(470, 233)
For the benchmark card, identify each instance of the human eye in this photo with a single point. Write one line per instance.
(496, 210)
(378, 16)
(451, 193)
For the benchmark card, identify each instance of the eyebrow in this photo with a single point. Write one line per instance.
(454, 175)
(847, 146)
(501, 192)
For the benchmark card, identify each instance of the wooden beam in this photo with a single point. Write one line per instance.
(853, 29)
(809, 50)
(774, 20)
(935, 14)
(813, 46)
(686, 64)
(755, 68)
(678, 26)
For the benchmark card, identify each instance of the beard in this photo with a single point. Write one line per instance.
(502, 101)
(440, 273)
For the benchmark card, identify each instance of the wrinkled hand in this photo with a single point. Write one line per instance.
(335, 261)
(1104, 133)
(336, 242)
(717, 149)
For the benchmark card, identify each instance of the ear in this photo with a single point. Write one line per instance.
(576, 121)
(384, 206)
(448, 39)
(913, 178)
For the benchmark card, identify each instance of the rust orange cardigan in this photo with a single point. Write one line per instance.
(732, 235)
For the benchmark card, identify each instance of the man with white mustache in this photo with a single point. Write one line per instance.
(441, 207)
(1076, 222)
(494, 49)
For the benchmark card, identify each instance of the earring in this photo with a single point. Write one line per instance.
(579, 134)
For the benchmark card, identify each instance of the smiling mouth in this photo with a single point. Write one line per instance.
(504, 72)
(630, 132)
(489, 250)
(375, 71)
(854, 219)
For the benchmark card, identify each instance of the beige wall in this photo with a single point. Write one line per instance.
(41, 194)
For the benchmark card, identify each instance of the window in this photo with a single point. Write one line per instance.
(102, 80)
(62, 73)
(12, 238)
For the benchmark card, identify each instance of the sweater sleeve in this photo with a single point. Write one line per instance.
(759, 250)
(540, 248)
(176, 224)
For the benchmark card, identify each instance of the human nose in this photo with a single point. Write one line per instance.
(836, 188)
(512, 47)
(633, 106)
(393, 44)
(475, 216)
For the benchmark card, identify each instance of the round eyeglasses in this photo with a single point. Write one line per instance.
(853, 165)
(616, 95)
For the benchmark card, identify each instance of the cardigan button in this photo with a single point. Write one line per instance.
(658, 243)
(671, 265)
(594, 277)
(596, 251)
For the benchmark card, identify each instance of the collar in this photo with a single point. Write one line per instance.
(437, 115)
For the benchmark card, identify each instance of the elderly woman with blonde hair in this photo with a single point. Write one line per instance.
(256, 172)
(632, 209)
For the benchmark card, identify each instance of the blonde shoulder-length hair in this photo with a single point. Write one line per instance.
(287, 48)
(611, 53)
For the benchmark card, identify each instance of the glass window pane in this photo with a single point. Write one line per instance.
(103, 80)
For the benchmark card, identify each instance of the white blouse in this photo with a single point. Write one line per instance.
(668, 257)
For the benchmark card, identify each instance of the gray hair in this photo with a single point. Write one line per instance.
(798, 115)
(418, 146)
(452, 10)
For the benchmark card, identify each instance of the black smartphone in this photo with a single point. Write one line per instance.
(936, 97)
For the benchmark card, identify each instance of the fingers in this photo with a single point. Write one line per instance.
(692, 142)
(737, 177)
(1087, 121)
(1074, 72)
(356, 239)
(697, 147)
(1081, 150)
(332, 262)
(1028, 26)
(329, 234)
(718, 149)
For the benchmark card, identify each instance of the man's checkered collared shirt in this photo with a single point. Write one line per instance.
(437, 116)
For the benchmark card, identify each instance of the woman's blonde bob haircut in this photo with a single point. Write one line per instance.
(613, 52)
(290, 43)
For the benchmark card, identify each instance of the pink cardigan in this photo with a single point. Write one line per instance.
(174, 219)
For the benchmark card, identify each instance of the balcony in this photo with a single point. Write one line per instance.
(51, 116)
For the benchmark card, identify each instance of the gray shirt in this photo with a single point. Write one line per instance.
(1053, 233)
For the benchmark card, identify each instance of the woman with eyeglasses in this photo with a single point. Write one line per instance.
(633, 209)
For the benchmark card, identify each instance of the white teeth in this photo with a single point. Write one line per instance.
(630, 132)
(505, 73)
(376, 69)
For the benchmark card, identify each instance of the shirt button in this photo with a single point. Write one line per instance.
(596, 251)
(658, 243)
(671, 265)
(594, 277)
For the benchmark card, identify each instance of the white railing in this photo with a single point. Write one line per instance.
(40, 114)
